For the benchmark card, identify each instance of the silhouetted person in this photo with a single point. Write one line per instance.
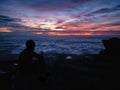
(27, 55)
(27, 68)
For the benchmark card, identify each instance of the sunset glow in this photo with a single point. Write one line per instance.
(39, 33)
(60, 15)
(5, 30)
(48, 26)
(70, 34)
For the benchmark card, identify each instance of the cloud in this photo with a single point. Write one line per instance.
(73, 23)
(45, 5)
(107, 26)
(113, 24)
(7, 19)
(81, 1)
(60, 21)
(105, 10)
(116, 7)
(66, 14)
(54, 5)
(59, 27)
(11, 23)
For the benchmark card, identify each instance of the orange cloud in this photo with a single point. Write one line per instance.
(39, 33)
(70, 34)
(115, 28)
(5, 30)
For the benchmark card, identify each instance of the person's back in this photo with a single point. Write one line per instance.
(26, 56)
(25, 59)
(26, 65)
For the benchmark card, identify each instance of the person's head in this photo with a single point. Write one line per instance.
(30, 45)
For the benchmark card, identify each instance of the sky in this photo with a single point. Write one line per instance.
(60, 17)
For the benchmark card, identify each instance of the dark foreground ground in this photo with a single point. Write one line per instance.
(77, 73)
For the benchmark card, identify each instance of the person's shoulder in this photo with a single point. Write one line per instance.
(25, 51)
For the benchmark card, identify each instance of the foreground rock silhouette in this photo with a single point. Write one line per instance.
(108, 61)
(112, 50)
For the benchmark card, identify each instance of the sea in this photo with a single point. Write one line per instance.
(14, 43)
